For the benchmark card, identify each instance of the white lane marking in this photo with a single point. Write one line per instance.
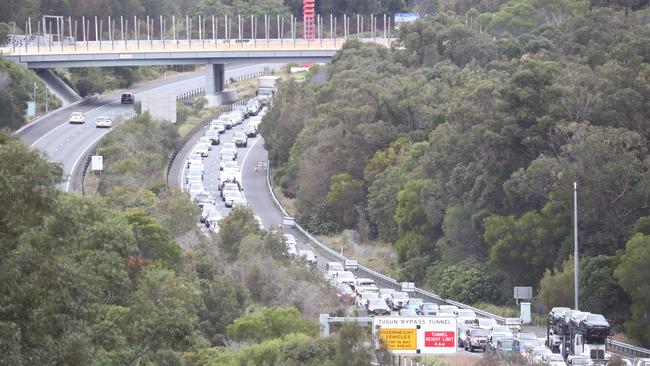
(83, 154)
(109, 105)
(145, 90)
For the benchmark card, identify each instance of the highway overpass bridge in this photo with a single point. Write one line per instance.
(78, 44)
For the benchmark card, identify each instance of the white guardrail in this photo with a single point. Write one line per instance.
(620, 347)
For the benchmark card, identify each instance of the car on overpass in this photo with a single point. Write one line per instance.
(77, 118)
(103, 122)
(127, 98)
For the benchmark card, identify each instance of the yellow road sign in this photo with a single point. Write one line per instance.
(399, 339)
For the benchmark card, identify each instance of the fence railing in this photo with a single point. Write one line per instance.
(383, 280)
(190, 95)
(179, 145)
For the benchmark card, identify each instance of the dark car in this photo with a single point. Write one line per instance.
(556, 315)
(594, 324)
(128, 98)
(503, 347)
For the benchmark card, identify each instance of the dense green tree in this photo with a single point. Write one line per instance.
(27, 191)
(634, 276)
(153, 241)
(382, 202)
(411, 217)
(262, 323)
(234, 228)
(556, 287)
(599, 291)
(344, 195)
(464, 282)
(525, 247)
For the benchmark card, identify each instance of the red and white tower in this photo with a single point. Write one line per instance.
(309, 18)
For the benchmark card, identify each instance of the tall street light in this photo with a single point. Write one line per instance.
(576, 268)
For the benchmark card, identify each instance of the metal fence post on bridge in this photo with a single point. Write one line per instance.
(201, 30)
(101, 28)
(58, 32)
(136, 24)
(75, 35)
(152, 30)
(293, 29)
(188, 20)
(225, 29)
(112, 33)
(239, 26)
(174, 30)
(266, 29)
(162, 31)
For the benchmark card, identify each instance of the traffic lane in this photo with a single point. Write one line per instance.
(254, 182)
(68, 143)
(184, 83)
(35, 131)
(259, 197)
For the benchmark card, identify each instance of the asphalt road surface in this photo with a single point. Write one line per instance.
(69, 144)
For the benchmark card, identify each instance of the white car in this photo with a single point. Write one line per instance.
(501, 331)
(205, 140)
(447, 310)
(487, 323)
(308, 256)
(237, 201)
(103, 122)
(77, 117)
(250, 130)
(227, 155)
(212, 221)
(206, 211)
(362, 298)
(386, 293)
(202, 148)
(196, 190)
(240, 139)
(346, 277)
(292, 250)
(365, 284)
(213, 136)
(554, 359)
(194, 160)
(233, 198)
(290, 238)
(218, 126)
(230, 175)
(260, 222)
(398, 299)
(228, 164)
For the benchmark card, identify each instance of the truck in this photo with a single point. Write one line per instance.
(584, 339)
(266, 88)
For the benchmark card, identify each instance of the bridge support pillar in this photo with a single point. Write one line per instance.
(214, 83)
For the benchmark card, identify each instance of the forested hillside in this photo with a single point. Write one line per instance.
(103, 282)
(460, 145)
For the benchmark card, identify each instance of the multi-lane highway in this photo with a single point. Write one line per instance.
(69, 144)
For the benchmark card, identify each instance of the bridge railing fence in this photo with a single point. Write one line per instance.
(54, 33)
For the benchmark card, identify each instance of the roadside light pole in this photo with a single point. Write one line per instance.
(576, 268)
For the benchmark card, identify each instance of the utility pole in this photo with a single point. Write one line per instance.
(576, 267)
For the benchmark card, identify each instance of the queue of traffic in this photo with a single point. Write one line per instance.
(238, 125)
